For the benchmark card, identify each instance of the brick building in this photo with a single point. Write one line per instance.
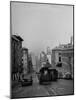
(16, 54)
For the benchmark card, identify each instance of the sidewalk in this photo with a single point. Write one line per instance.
(15, 84)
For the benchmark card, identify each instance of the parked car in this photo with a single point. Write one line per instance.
(68, 75)
(60, 75)
(26, 81)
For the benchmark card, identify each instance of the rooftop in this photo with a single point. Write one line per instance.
(17, 37)
(26, 49)
(64, 47)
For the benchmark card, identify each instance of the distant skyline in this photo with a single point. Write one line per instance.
(42, 25)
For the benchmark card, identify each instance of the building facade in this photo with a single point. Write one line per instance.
(16, 54)
(30, 64)
(48, 54)
(64, 55)
(43, 58)
(25, 60)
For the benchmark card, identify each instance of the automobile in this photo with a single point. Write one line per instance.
(60, 75)
(67, 75)
(44, 76)
(26, 80)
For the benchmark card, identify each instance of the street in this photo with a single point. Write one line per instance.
(60, 87)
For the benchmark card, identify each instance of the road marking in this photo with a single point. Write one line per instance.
(46, 92)
(53, 91)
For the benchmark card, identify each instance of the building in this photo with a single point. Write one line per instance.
(30, 64)
(38, 63)
(43, 58)
(33, 59)
(48, 54)
(25, 60)
(16, 54)
(64, 55)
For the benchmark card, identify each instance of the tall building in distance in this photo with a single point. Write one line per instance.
(25, 60)
(43, 58)
(48, 53)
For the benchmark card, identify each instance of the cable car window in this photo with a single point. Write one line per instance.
(45, 72)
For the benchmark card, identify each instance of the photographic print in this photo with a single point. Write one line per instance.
(42, 49)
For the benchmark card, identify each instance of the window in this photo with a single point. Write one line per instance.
(59, 53)
(59, 63)
(59, 59)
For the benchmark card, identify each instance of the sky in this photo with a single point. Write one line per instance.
(42, 25)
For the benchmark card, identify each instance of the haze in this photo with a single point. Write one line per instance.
(42, 25)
